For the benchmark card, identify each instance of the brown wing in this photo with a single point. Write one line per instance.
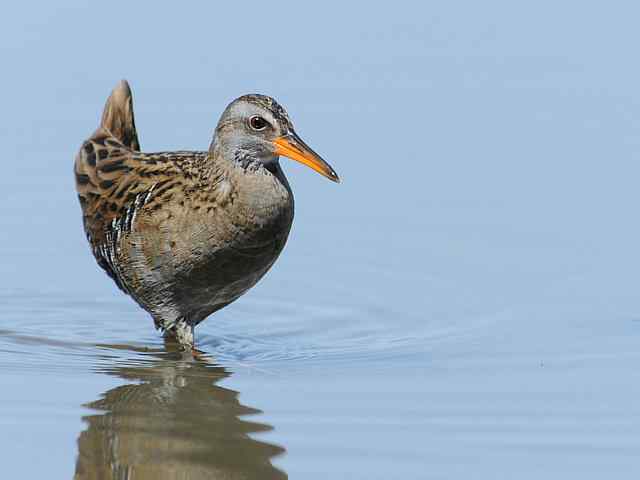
(113, 179)
(113, 182)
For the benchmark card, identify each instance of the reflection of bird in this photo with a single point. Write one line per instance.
(172, 422)
(187, 233)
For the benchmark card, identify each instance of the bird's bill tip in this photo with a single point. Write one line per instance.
(291, 146)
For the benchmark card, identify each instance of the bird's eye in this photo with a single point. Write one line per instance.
(258, 123)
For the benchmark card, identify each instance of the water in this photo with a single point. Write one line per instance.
(464, 304)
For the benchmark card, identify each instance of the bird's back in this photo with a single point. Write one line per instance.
(114, 180)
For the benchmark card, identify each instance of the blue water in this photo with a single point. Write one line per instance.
(465, 304)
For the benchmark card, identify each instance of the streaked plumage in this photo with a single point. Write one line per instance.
(186, 233)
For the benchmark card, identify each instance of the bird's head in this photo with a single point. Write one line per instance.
(255, 128)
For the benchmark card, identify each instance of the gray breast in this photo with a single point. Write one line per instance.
(203, 257)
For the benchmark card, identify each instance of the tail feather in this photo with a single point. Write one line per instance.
(117, 117)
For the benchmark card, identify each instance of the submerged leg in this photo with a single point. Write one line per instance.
(182, 332)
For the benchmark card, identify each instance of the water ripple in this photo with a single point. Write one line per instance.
(52, 331)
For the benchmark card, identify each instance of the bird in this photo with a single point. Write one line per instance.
(185, 233)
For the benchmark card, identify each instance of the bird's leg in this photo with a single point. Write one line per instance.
(182, 333)
(184, 352)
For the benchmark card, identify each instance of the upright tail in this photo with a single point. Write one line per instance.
(117, 117)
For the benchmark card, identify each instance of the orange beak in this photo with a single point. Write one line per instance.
(292, 146)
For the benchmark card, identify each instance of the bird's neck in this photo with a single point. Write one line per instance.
(234, 162)
(251, 176)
